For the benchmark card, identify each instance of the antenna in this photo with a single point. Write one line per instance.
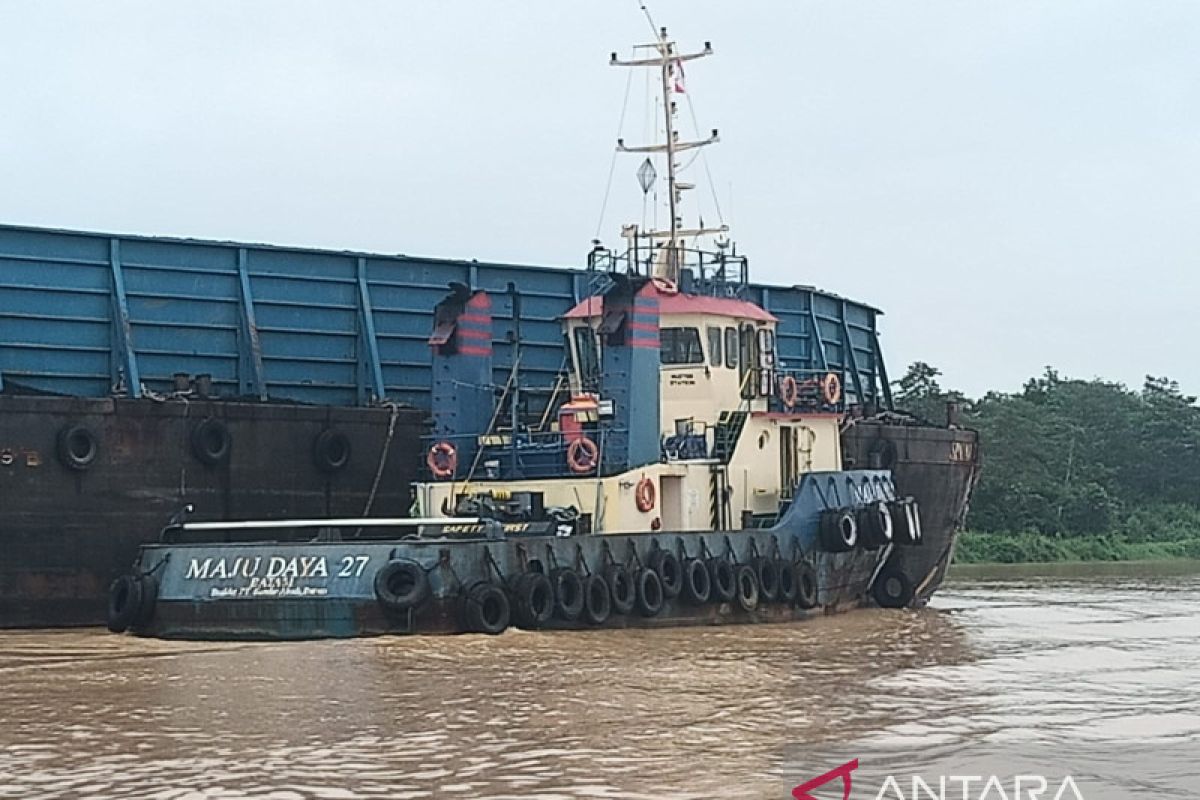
(649, 18)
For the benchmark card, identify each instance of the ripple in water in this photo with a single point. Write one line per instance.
(1066, 660)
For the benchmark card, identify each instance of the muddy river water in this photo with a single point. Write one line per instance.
(1068, 660)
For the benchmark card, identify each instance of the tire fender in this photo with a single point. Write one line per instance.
(401, 584)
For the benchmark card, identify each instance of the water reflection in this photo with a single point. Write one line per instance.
(628, 714)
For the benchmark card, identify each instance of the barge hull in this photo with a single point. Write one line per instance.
(67, 532)
(938, 467)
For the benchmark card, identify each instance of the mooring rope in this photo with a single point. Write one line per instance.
(387, 446)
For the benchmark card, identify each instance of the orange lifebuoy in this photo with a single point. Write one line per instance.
(583, 455)
(831, 388)
(645, 495)
(789, 391)
(442, 460)
(665, 286)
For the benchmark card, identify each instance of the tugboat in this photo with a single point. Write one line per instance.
(679, 476)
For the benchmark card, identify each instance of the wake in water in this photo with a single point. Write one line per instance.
(1004, 665)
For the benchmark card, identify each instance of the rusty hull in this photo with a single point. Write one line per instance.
(937, 466)
(66, 533)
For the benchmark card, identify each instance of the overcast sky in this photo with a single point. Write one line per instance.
(1015, 184)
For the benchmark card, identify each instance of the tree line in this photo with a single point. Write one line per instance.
(1075, 468)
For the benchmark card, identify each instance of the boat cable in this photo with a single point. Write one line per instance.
(944, 557)
(612, 164)
(512, 375)
(387, 446)
(712, 186)
(599, 508)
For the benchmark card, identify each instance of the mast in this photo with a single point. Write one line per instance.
(666, 47)
(666, 60)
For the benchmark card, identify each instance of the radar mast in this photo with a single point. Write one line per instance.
(669, 61)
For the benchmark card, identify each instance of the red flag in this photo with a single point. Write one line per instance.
(677, 74)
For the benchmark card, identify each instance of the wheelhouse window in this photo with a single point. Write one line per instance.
(714, 347)
(680, 346)
(589, 358)
(731, 348)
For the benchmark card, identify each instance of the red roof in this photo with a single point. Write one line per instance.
(680, 303)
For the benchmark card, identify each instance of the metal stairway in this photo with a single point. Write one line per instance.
(727, 432)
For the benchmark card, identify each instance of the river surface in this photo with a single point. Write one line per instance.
(1058, 657)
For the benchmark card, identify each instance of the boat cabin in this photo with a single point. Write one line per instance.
(677, 416)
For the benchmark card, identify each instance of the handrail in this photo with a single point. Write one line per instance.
(340, 522)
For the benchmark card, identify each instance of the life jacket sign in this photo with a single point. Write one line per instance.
(474, 530)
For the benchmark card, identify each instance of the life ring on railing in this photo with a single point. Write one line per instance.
(442, 460)
(583, 455)
(789, 391)
(665, 285)
(831, 388)
(644, 495)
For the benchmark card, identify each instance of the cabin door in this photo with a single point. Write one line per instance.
(789, 461)
(672, 502)
(747, 360)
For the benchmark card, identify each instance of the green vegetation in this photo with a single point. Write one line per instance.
(1023, 548)
(1076, 470)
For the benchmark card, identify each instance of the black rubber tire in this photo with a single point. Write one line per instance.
(620, 588)
(875, 525)
(149, 601)
(568, 593)
(650, 597)
(902, 530)
(768, 579)
(485, 609)
(697, 583)
(532, 600)
(786, 570)
(882, 455)
(125, 597)
(892, 588)
(747, 594)
(597, 603)
(670, 572)
(838, 530)
(401, 584)
(331, 451)
(806, 585)
(211, 442)
(77, 447)
(723, 584)
(914, 510)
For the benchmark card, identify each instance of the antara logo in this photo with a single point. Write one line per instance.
(801, 792)
(949, 787)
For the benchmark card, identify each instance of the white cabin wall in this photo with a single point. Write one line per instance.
(755, 468)
(700, 391)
